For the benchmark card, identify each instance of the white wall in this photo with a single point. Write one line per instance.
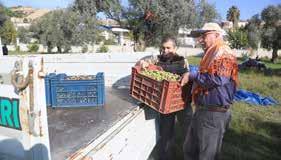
(185, 51)
(116, 66)
(74, 49)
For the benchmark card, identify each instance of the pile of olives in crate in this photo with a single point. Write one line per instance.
(160, 75)
(81, 77)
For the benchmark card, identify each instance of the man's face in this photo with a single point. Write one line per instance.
(208, 39)
(168, 48)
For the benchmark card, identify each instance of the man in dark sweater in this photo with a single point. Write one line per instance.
(170, 61)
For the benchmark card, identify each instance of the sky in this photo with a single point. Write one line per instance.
(248, 8)
(50, 4)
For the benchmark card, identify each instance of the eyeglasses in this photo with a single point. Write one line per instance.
(207, 33)
(203, 36)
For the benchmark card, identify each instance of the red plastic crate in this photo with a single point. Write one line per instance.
(163, 96)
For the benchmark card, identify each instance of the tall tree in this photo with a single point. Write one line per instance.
(233, 15)
(63, 28)
(150, 20)
(24, 35)
(253, 29)
(3, 16)
(205, 12)
(47, 30)
(271, 35)
(8, 32)
(85, 7)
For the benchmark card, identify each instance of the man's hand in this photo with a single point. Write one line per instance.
(184, 78)
(143, 64)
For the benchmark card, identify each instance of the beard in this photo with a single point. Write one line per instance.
(169, 57)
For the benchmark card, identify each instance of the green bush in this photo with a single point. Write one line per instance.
(103, 49)
(33, 47)
(238, 39)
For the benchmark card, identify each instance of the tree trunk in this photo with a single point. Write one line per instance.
(66, 49)
(274, 55)
(235, 23)
(49, 47)
(59, 49)
(139, 45)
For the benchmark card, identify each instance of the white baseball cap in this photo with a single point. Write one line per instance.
(207, 28)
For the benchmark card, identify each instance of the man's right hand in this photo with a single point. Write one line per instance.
(184, 78)
(143, 64)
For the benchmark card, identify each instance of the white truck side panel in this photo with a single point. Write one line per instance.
(31, 140)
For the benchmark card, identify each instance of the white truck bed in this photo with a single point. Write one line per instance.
(119, 130)
(72, 128)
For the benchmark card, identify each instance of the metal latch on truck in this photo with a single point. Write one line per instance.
(20, 83)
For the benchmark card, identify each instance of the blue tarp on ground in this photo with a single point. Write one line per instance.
(253, 98)
(246, 96)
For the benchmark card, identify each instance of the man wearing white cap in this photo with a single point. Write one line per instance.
(213, 93)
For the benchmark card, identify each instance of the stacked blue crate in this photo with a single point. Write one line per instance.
(48, 89)
(65, 92)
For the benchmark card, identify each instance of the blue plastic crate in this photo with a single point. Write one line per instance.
(48, 89)
(66, 92)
